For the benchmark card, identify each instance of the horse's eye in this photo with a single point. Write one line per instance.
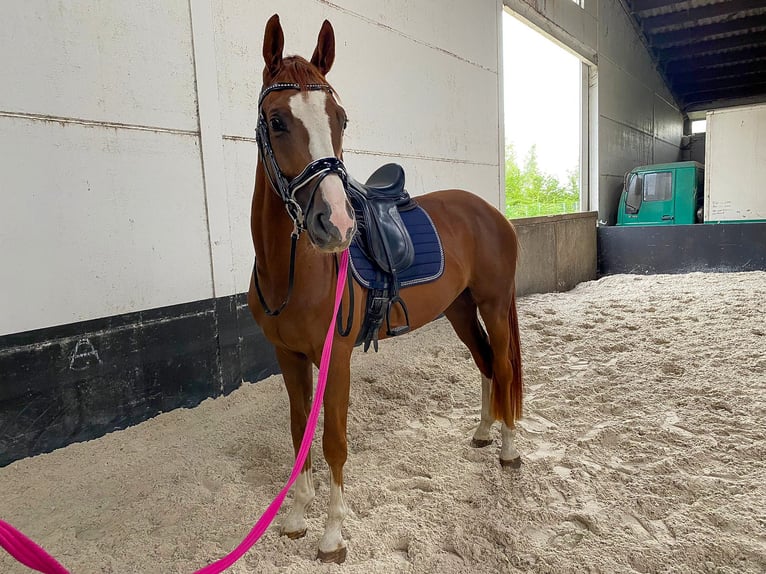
(277, 125)
(345, 124)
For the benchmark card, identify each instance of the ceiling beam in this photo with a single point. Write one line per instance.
(725, 103)
(701, 85)
(711, 73)
(731, 93)
(723, 10)
(696, 34)
(646, 5)
(729, 83)
(755, 54)
(730, 43)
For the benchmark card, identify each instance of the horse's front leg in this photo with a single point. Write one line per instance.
(296, 371)
(332, 547)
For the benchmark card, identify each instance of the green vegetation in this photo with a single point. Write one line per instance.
(530, 192)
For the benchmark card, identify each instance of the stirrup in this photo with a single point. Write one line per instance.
(401, 330)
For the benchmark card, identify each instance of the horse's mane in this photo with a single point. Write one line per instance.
(295, 69)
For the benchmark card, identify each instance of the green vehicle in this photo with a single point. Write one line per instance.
(663, 194)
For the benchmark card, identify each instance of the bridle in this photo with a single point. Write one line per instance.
(317, 169)
(286, 189)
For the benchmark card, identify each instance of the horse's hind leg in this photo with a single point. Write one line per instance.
(499, 315)
(482, 437)
(462, 315)
(297, 374)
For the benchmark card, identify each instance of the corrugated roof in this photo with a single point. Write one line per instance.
(711, 52)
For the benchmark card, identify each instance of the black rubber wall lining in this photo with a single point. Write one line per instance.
(76, 382)
(682, 248)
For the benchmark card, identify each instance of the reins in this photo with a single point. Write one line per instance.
(35, 557)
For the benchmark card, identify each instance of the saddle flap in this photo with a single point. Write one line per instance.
(388, 240)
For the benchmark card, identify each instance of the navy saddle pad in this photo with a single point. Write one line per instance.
(429, 255)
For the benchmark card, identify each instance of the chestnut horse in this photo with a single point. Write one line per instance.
(300, 184)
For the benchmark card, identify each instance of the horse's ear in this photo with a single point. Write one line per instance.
(273, 43)
(324, 54)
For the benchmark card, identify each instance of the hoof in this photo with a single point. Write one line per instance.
(335, 557)
(514, 463)
(294, 535)
(481, 442)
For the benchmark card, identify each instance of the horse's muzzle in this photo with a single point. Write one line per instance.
(330, 222)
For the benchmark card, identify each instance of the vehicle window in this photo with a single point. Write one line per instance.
(634, 197)
(658, 186)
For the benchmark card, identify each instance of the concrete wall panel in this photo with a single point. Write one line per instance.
(124, 62)
(665, 152)
(424, 175)
(464, 29)
(555, 252)
(240, 180)
(536, 266)
(438, 106)
(666, 125)
(619, 42)
(622, 147)
(140, 87)
(624, 99)
(98, 222)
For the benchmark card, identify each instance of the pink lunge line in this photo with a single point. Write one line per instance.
(27, 552)
(33, 556)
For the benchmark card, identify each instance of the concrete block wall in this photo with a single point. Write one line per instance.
(127, 149)
(556, 252)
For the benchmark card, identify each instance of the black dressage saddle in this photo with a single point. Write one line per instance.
(382, 234)
(384, 239)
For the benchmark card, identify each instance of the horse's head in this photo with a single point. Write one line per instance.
(300, 137)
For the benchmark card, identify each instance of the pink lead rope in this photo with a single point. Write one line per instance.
(30, 554)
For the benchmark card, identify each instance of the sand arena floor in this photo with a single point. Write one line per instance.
(644, 449)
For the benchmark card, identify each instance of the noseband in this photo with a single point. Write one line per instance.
(286, 189)
(317, 169)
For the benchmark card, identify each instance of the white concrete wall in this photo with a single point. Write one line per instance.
(126, 135)
(103, 207)
(419, 81)
(735, 168)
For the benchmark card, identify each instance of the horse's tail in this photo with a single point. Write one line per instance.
(507, 396)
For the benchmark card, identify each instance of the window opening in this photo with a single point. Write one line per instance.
(658, 186)
(543, 123)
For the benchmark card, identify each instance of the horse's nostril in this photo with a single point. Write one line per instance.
(323, 222)
(326, 229)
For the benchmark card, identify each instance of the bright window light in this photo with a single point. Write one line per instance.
(698, 126)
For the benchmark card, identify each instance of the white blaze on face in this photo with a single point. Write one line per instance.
(309, 108)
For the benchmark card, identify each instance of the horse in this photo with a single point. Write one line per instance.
(301, 185)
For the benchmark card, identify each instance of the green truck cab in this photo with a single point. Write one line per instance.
(663, 194)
